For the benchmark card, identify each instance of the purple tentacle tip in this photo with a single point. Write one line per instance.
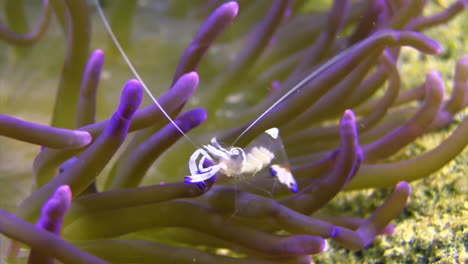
(96, 60)
(349, 118)
(233, 6)
(192, 118)
(55, 209)
(98, 54)
(131, 98)
(190, 78)
(84, 137)
(404, 186)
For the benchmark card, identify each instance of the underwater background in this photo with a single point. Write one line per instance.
(433, 226)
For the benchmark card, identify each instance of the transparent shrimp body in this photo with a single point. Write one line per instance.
(265, 150)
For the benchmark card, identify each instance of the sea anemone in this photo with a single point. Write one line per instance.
(333, 78)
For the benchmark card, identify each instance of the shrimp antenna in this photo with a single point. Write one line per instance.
(135, 73)
(301, 84)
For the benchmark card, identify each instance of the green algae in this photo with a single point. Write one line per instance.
(432, 229)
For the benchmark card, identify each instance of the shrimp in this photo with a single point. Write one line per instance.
(236, 162)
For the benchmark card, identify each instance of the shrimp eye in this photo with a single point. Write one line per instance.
(236, 153)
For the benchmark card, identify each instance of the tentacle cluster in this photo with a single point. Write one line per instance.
(122, 220)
